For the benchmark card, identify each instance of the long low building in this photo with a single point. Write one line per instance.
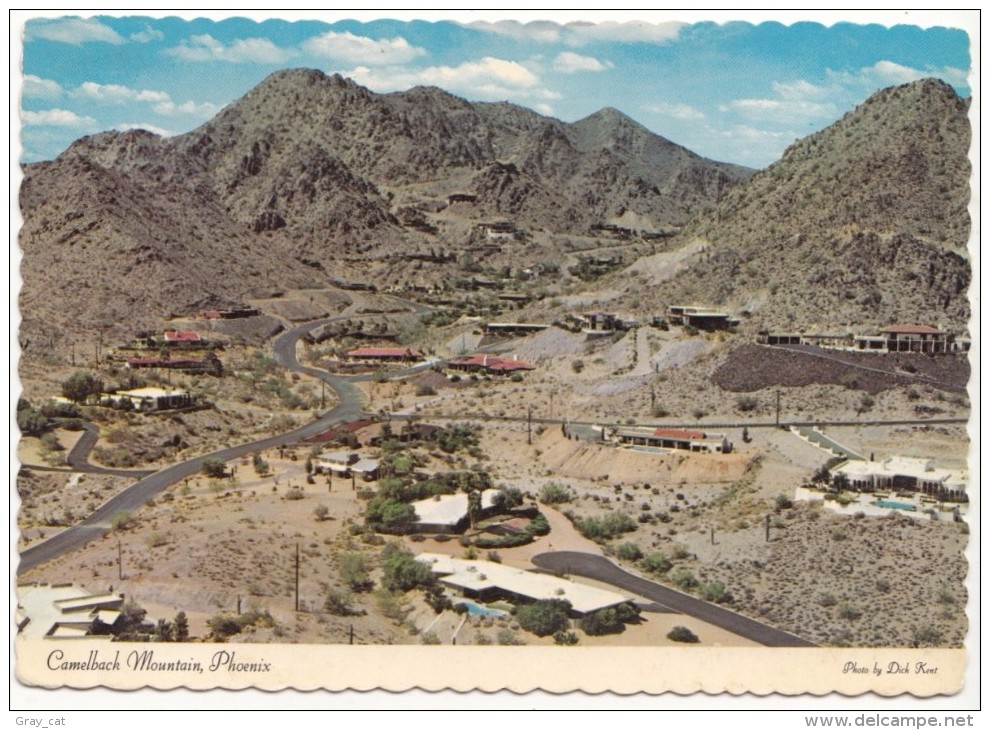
(488, 581)
(675, 438)
(488, 364)
(64, 611)
(905, 474)
(385, 354)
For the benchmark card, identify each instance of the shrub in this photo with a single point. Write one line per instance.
(629, 551)
(565, 638)
(507, 637)
(554, 493)
(682, 634)
(545, 617)
(214, 468)
(321, 512)
(294, 494)
(848, 611)
(338, 602)
(827, 600)
(607, 527)
(425, 390)
(430, 638)
(121, 520)
(715, 592)
(684, 578)
(604, 621)
(747, 403)
(354, 572)
(577, 365)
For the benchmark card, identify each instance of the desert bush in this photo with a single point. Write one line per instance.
(338, 602)
(320, 512)
(715, 592)
(684, 578)
(682, 634)
(565, 638)
(294, 494)
(607, 527)
(554, 493)
(401, 571)
(545, 617)
(214, 468)
(121, 520)
(354, 572)
(850, 612)
(629, 551)
(747, 403)
(657, 563)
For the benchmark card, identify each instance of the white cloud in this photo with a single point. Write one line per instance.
(147, 35)
(675, 111)
(579, 34)
(781, 109)
(192, 108)
(800, 89)
(57, 118)
(74, 31)
(568, 63)
(887, 73)
(363, 50)
(489, 78)
(115, 93)
(539, 31)
(243, 50)
(147, 127)
(544, 109)
(39, 88)
(633, 32)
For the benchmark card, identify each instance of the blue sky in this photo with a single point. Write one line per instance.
(733, 91)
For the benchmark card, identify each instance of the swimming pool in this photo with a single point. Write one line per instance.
(907, 506)
(478, 610)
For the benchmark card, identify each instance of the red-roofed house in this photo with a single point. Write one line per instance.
(915, 338)
(181, 336)
(675, 438)
(386, 354)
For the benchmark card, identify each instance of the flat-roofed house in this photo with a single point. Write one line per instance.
(66, 611)
(488, 581)
(903, 473)
(385, 354)
(153, 399)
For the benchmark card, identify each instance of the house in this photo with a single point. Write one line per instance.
(915, 338)
(187, 364)
(489, 581)
(66, 611)
(181, 337)
(902, 473)
(498, 230)
(778, 338)
(150, 399)
(489, 364)
(229, 313)
(385, 354)
(675, 438)
(514, 328)
(461, 198)
(446, 513)
(702, 318)
(345, 464)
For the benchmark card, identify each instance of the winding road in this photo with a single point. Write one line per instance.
(601, 569)
(135, 496)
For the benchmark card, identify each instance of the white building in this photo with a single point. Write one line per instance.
(449, 512)
(486, 580)
(903, 473)
(64, 611)
(151, 399)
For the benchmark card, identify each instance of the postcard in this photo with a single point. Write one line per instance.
(627, 354)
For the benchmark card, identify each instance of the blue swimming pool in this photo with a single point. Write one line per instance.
(907, 506)
(478, 610)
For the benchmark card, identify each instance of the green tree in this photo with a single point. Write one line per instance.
(214, 468)
(121, 520)
(80, 385)
(181, 624)
(164, 631)
(546, 617)
(402, 572)
(604, 621)
(354, 572)
(321, 511)
(30, 420)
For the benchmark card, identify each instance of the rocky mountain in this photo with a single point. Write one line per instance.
(864, 222)
(306, 174)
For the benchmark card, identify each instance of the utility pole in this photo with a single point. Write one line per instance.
(653, 401)
(297, 576)
(323, 395)
(778, 408)
(120, 561)
(768, 529)
(529, 425)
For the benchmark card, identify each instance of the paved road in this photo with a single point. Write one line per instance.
(602, 569)
(78, 459)
(349, 407)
